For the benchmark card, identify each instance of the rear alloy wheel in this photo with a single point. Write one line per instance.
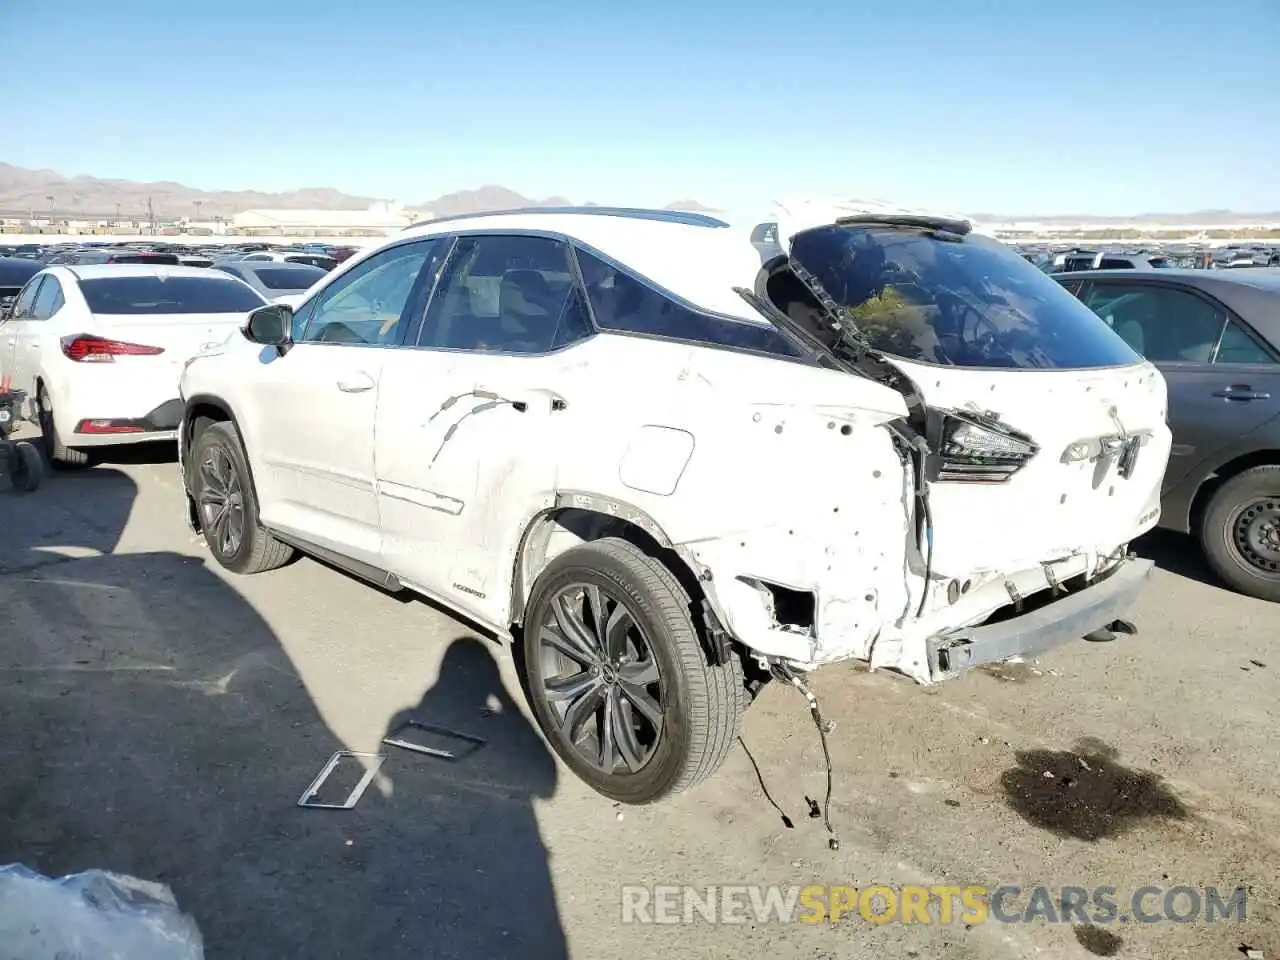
(218, 478)
(59, 456)
(1240, 532)
(619, 681)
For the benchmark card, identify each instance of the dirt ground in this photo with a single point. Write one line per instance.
(162, 719)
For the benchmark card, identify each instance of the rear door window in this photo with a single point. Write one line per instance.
(49, 300)
(506, 294)
(26, 300)
(1238, 345)
(1163, 323)
(940, 299)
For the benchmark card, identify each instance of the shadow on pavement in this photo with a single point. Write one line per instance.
(137, 454)
(1177, 553)
(155, 726)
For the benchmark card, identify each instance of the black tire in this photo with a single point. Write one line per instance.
(1237, 510)
(60, 456)
(701, 704)
(217, 449)
(26, 466)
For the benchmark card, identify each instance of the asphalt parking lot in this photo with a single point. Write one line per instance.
(162, 719)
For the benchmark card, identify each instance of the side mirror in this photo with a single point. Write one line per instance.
(271, 325)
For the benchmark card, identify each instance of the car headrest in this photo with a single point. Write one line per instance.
(524, 292)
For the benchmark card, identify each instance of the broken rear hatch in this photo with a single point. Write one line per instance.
(1047, 433)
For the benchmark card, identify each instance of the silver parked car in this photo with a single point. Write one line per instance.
(273, 279)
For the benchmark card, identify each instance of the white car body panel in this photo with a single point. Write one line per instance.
(311, 414)
(753, 469)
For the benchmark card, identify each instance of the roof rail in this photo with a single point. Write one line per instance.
(687, 218)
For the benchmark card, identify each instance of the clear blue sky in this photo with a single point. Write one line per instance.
(1010, 106)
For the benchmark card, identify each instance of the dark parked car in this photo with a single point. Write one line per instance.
(14, 274)
(99, 255)
(1215, 334)
(274, 280)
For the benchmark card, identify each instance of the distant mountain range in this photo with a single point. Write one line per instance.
(25, 191)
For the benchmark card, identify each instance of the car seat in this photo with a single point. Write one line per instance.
(526, 312)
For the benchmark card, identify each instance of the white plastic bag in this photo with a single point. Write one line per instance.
(93, 915)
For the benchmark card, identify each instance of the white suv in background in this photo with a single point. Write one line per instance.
(669, 472)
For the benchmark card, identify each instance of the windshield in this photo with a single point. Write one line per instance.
(940, 299)
(168, 295)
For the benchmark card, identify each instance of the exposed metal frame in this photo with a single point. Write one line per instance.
(396, 739)
(308, 797)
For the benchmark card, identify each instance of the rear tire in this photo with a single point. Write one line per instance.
(227, 506)
(60, 456)
(26, 466)
(656, 669)
(1240, 532)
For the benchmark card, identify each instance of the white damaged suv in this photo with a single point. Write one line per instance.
(668, 470)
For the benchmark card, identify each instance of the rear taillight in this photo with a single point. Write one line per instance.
(975, 448)
(109, 427)
(84, 348)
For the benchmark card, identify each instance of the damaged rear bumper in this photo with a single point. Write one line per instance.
(1061, 621)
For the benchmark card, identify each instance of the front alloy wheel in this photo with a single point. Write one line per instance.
(218, 480)
(221, 502)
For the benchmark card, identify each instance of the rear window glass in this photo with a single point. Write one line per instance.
(1159, 262)
(165, 258)
(312, 259)
(158, 295)
(299, 278)
(967, 303)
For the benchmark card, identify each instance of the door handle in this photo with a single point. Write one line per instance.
(522, 400)
(356, 383)
(1241, 391)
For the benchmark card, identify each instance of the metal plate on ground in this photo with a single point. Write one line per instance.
(311, 796)
(433, 741)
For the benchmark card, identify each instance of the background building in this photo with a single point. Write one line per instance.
(381, 218)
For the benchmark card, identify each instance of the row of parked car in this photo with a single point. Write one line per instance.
(120, 251)
(1076, 259)
(672, 465)
(274, 270)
